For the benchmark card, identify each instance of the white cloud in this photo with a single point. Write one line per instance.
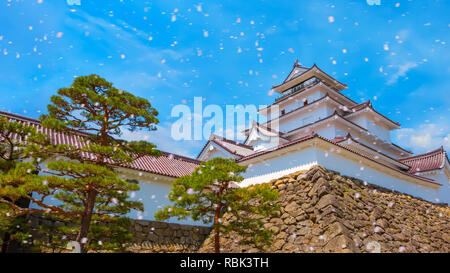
(425, 138)
(164, 141)
(401, 72)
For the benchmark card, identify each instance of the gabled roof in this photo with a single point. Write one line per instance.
(360, 106)
(296, 71)
(430, 161)
(257, 125)
(232, 147)
(313, 71)
(281, 146)
(167, 164)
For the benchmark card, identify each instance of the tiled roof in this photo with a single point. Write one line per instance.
(230, 146)
(373, 154)
(281, 146)
(315, 135)
(265, 127)
(296, 71)
(340, 138)
(167, 164)
(430, 161)
(360, 106)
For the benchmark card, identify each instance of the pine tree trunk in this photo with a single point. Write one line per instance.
(86, 219)
(5, 245)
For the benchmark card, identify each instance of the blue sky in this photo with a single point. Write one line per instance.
(232, 52)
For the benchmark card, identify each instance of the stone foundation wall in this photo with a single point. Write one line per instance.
(323, 211)
(152, 236)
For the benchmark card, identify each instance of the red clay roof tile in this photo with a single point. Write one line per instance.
(430, 161)
(167, 164)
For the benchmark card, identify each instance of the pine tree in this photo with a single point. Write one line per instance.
(211, 192)
(13, 136)
(84, 179)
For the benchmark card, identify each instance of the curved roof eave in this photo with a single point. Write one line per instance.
(314, 68)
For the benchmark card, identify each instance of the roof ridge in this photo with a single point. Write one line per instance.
(359, 104)
(440, 149)
(181, 157)
(349, 136)
(231, 141)
(401, 148)
(294, 141)
(286, 80)
(270, 129)
(17, 116)
(296, 65)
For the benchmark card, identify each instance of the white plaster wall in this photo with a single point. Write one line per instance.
(291, 105)
(440, 177)
(265, 143)
(277, 167)
(336, 162)
(341, 131)
(360, 120)
(380, 131)
(373, 127)
(328, 132)
(153, 194)
(297, 101)
(301, 160)
(301, 119)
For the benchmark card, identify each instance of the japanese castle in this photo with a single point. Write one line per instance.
(310, 123)
(313, 123)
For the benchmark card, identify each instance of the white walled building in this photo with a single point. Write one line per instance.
(313, 123)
